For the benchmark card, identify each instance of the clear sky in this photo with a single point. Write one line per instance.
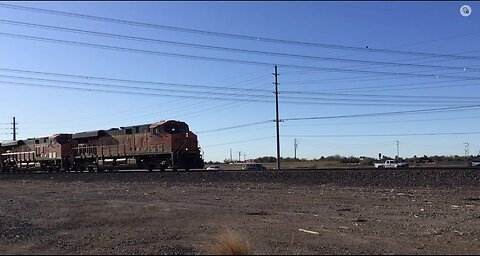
(393, 65)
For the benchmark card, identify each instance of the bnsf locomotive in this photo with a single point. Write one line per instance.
(161, 145)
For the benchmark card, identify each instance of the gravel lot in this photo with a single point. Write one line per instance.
(288, 212)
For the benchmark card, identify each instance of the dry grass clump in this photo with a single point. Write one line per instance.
(230, 243)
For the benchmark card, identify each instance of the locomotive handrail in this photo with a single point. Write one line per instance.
(149, 149)
(17, 153)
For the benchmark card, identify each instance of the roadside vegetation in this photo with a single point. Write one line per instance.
(348, 161)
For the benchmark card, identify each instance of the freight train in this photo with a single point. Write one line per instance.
(161, 145)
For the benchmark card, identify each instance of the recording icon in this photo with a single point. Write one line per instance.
(465, 10)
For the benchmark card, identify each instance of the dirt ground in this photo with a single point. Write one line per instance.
(290, 212)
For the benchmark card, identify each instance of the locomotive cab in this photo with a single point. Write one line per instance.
(182, 143)
(170, 127)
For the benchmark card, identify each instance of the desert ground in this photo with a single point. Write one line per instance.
(275, 212)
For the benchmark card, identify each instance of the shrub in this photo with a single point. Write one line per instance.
(229, 243)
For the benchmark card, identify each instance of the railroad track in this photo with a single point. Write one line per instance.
(257, 171)
(431, 177)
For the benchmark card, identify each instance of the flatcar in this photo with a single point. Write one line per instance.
(161, 145)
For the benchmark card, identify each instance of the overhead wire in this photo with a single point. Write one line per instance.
(237, 126)
(416, 111)
(90, 83)
(377, 114)
(402, 104)
(239, 141)
(89, 78)
(382, 135)
(384, 121)
(164, 110)
(216, 59)
(229, 35)
(135, 38)
(228, 49)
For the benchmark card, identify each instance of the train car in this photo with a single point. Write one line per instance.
(52, 153)
(55, 153)
(161, 145)
(15, 155)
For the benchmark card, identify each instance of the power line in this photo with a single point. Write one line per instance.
(195, 106)
(369, 78)
(236, 126)
(388, 121)
(210, 47)
(125, 80)
(385, 135)
(118, 92)
(235, 97)
(423, 97)
(196, 57)
(410, 59)
(196, 96)
(383, 114)
(126, 87)
(417, 111)
(233, 36)
(392, 87)
(240, 141)
(163, 103)
(204, 86)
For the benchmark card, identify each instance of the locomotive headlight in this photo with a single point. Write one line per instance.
(186, 134)
(186, 149)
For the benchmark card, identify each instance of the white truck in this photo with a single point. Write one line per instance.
(391, 164)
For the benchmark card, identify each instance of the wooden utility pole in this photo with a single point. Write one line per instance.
(276, 119)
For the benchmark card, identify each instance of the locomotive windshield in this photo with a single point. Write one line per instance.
(63, 140)
(175, 127)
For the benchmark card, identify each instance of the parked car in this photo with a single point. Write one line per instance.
(253, 166)
(391, 164)
(474, 163)
(214, 168)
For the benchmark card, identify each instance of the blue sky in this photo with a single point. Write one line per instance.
(425, 27)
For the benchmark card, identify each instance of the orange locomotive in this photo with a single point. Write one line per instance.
(161, 145)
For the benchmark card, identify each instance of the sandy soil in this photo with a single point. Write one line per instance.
(291, 212)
